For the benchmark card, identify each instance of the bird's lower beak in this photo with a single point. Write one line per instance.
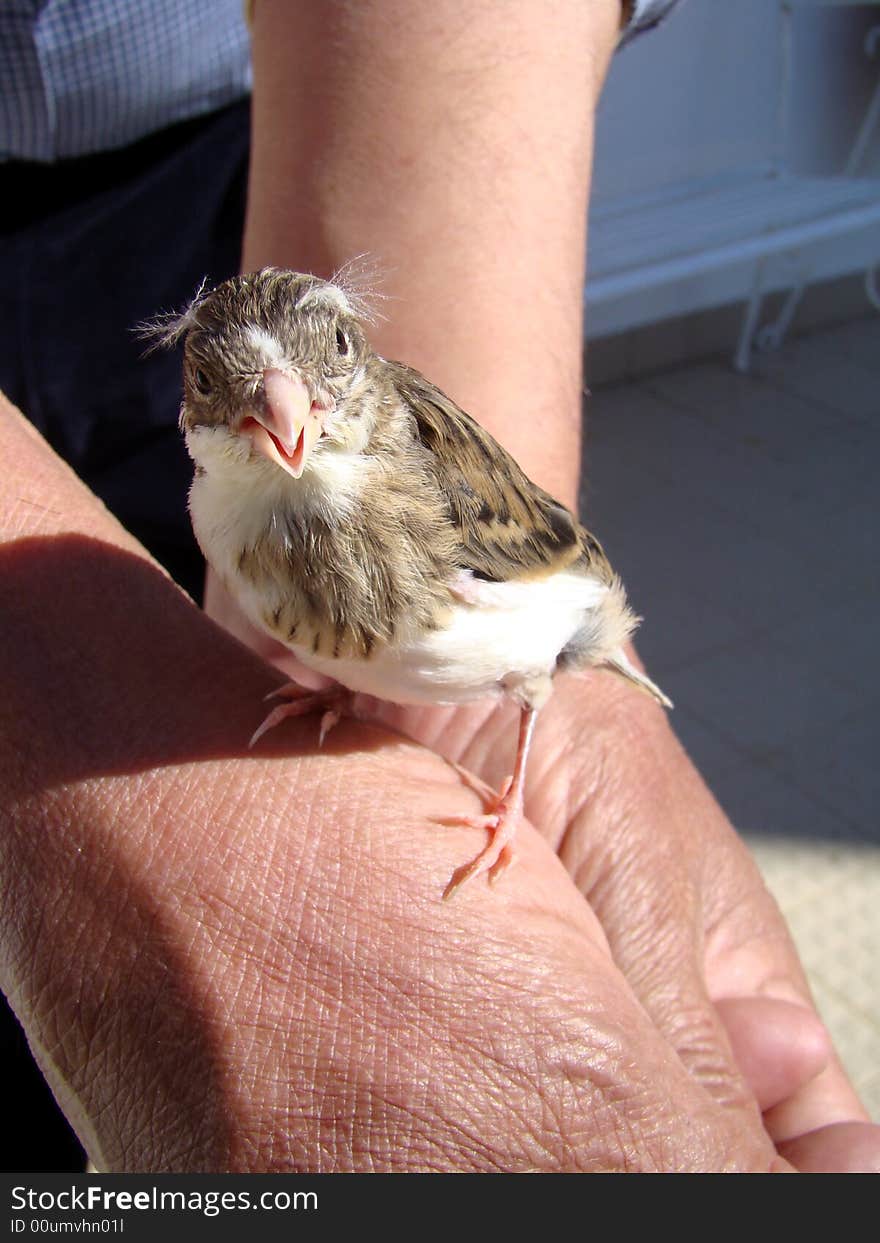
(286, 429)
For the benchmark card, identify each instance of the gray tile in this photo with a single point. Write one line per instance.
(622, 494)
(620, 482)
(667, 541)
(667, 343)
(824, 375)
(744, 514)
(717, 760)
(782, 491)
(869, 1091)
(843, 554)
(858, 341)
(659, 548)
(762, 699)
(830, 896)
(839, 638)
(856, 1039)
(763, 806)
(607, 361)
(751, 570)
(744, 407)
(841, 933)
(768, 483)
(679, 626)
(759, 580)
(654, 530)
(804, 873)
(836, 763)
(643, 424)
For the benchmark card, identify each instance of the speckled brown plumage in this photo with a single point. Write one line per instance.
(505, 526)
(362, 518)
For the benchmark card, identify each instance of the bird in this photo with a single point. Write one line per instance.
(368, 523)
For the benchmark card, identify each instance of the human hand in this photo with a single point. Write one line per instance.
(265, 979)
(688, 918)
(687, 915)
(236, 961)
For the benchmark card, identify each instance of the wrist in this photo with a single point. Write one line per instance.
(411, 149)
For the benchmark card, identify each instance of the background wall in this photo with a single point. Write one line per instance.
(721, 91)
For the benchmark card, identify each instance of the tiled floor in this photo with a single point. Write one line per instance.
(743, 513)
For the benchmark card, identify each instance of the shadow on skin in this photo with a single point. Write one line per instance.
(70, 602)
(167, 688)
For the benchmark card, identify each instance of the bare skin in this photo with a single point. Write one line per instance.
(236, 961)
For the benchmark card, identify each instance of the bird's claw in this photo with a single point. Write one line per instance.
(329, 721)
(498, 854)
(494, 859)
(300, 702)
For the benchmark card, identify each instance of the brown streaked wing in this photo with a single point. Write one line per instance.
(508, 527)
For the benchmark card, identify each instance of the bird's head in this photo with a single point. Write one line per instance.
(274, 362)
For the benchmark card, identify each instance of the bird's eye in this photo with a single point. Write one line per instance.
(201, 381)
(341, 341)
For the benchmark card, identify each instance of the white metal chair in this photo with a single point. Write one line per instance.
(754, 216)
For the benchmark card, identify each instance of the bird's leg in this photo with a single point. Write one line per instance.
(333, 699)
(503, 818)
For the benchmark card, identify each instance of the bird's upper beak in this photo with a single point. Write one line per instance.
(287, 426)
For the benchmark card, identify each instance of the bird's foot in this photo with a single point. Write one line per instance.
(502, 822)
(334, 701)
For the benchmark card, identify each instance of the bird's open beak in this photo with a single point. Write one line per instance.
(286, 429)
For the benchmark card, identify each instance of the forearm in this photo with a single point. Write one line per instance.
(451, 143)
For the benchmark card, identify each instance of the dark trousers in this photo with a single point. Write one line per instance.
(89, 248)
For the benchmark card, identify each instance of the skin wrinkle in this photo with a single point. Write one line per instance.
(700, 1054)
(467, 1128)
(731, 934)
(676, 1016)
(697, 1036)
(477, 1050)
(588, 1064)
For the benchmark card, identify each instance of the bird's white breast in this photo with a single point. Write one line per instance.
(499, 637)
(235, 500)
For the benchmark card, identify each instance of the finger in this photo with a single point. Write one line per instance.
(670, 924)
(841, 1148)
(658, 949)
(828, 1099)
(777, 1045)
(749, 953)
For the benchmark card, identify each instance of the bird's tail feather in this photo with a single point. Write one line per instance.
(619, 663)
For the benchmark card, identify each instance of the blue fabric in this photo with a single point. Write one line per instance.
(646, 13)
(80, 76)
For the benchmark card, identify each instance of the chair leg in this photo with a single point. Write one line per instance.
(743, 354)
(871, 287)
(772, 335)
